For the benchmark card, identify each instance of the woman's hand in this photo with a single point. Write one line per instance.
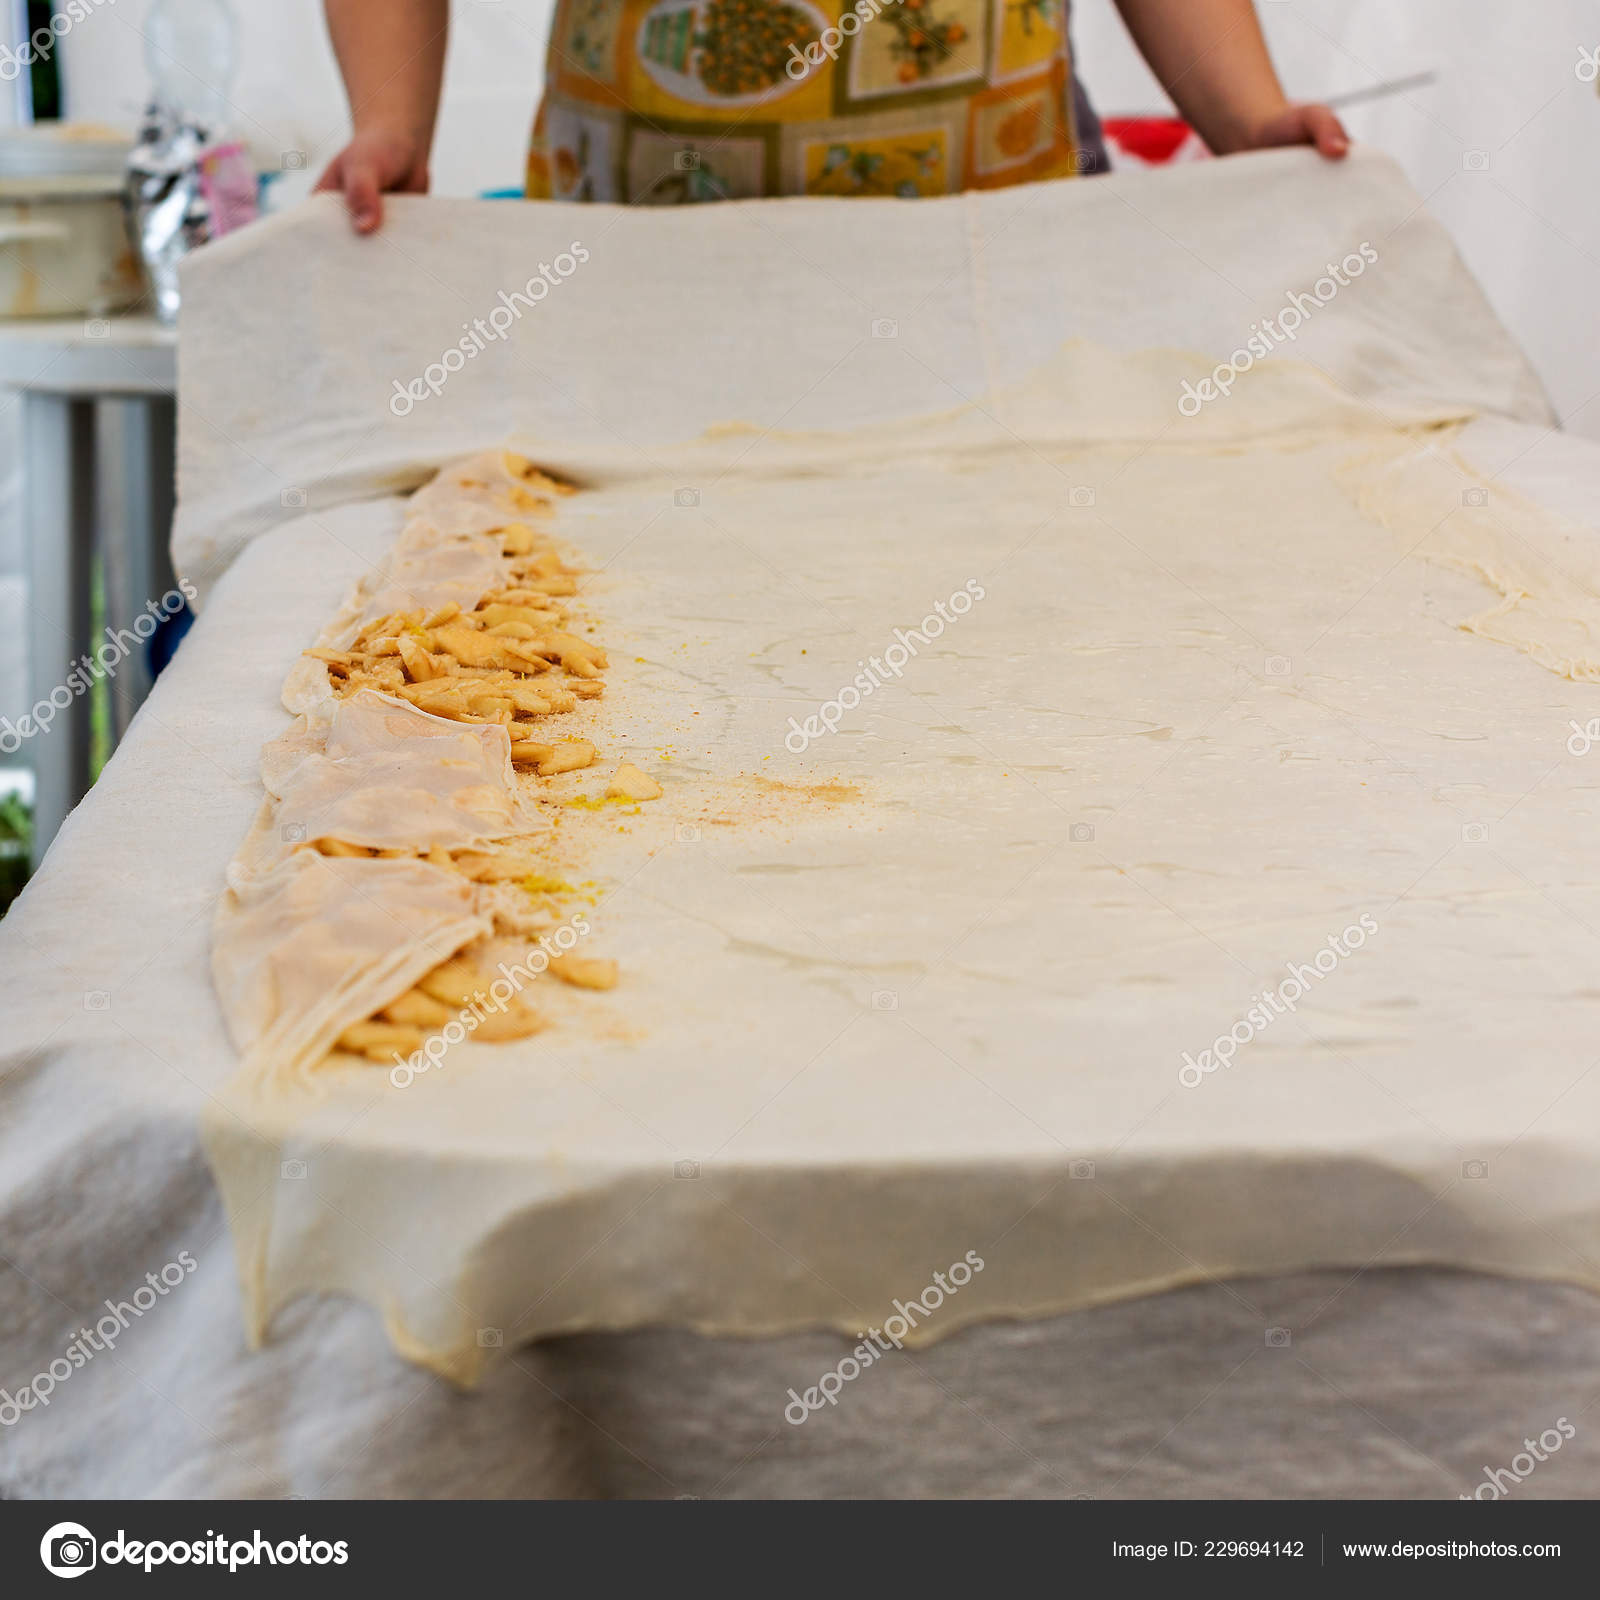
(391, 53)
(1211, 58)
(377, 161)
(1311, 124)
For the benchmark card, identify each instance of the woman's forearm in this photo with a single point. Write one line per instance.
(1211, 58)
(391, 54)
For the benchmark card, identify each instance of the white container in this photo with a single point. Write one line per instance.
(64, 247)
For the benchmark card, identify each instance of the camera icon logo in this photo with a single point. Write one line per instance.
(1474, 1169)
(885, 1000)
(1474, 497)
(1474, 832)
(68, 1550)
(1081, 495)
(1080, 1169)
(96, 1000)
(292, 1170)
(885, 328)
(1278, 1339)
(97, 328)
(294, 833)
(686, 497)
(1083, 160)
(685, 1169)
(294, 160)
(687, 833)
(1277, 666)
(291, 498)
(1475, 161)
(490, 1339)
(686, 160)
(1081, 833)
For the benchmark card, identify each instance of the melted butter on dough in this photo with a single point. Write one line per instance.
(1543, 568)
(811, 791)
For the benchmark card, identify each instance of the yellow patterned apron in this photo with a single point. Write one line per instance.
(669, 101)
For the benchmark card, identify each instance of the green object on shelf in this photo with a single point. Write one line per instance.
(16, 839)
(100, 690)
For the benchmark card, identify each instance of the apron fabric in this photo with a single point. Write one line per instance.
(665, 102)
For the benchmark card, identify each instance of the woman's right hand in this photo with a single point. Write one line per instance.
(377, 161)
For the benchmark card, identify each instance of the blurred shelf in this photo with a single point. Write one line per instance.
(133, 355)
(75, 377)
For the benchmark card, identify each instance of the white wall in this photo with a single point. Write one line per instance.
(287, 95)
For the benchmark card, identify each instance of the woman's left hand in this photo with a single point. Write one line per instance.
(1310, 124)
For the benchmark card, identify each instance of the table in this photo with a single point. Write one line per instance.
(99, 431)
(1416, 1374)
(780, 1011)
